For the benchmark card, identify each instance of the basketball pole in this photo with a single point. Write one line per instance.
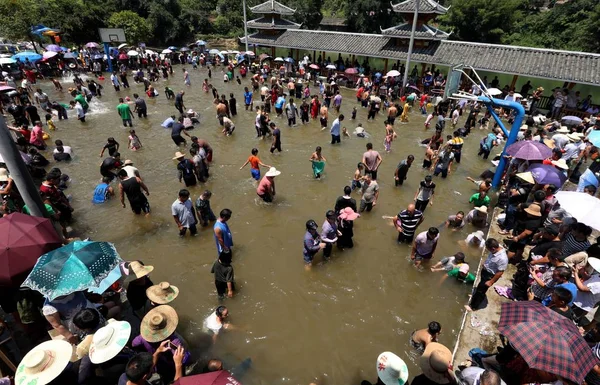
(410, 47)
(108, 59)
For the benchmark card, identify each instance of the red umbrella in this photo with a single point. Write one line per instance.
(314, 66)
(351, 71)
(546, 340)
(23, 239)
(222, 377)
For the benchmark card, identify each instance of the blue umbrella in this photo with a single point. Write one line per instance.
(214, 51)
(571, 120)
(98, 56)
(289, 60)
(378, 75)
(594, 137)
(70, 55)
(173, 48)
(113, 277)
(78, 266)
(546, 174)
(32, 56)
(200, 42)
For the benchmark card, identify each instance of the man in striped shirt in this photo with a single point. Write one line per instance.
(406, 223)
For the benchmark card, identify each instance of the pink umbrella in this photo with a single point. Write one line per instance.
(314, 66)
(123, 56)
(351, 71)
(92, 45)
(221, 377)
(49, 54)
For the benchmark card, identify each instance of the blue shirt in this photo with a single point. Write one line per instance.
(567, 285)
(100, 193)
(280, 102)
(225, 233)
(311, 244)
(489, 140)
(248, 97)
(168, 123)
(335, 127)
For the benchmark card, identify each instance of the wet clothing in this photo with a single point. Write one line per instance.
(185, 171)
(100, 193)
(225, 234)
(311, 246)
(137, 200)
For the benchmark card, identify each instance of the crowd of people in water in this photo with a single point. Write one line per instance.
(128, 334)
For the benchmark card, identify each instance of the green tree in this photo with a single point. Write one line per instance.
(309, 13)
(195, 16)
(163, 20)
(482, 20)
(221, 25)
(17, 18)
(136, 28)
(367, 16)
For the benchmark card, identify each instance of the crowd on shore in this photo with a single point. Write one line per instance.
(128, 334)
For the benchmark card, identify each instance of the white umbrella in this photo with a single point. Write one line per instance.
(149, 52)
(234, 52)
(49, 54)
(132, 53)
(393, 73)
(166, 51)
(518, 95)
(7, 60)
(224, 52)
(122, 45)
(581, 206)
(279, 59)
(330, 66)
(375, 99)
(494, 91)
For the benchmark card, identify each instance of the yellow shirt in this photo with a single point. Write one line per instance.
(51, 125)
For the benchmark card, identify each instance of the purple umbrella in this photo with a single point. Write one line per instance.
(529, 150)
(546, 174)
(92, 45)
(53, 48)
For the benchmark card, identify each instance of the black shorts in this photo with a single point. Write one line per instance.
(373, 174)
(266, 197)
(139, 207)
(403, 238)
(323, 122)
(178, 139)
(222, 288)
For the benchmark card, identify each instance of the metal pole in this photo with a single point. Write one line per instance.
(109, 60)
(18, 171)
(245, 26)
(410, 46)
(512, 135)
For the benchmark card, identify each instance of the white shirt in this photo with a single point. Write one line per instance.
(132, 172)
(586, 300)
(213, 323)
(68, 150)
(79, 109)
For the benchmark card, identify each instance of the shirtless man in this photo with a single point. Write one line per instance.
(318, 162)
(324, 116)
(221, 111)
(419, 339)
(392, 113)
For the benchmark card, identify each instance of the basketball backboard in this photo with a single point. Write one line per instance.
(452, 83)
(112, 35)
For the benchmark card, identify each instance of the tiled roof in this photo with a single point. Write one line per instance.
(272, 23)
(423, 31)
(334, 21)
(425, 6)
(578, 67)
(272, 6)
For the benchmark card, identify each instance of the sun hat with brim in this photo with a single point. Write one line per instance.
(561, 163)
(534, 209)
(563, 130)
(524, 128)
(138, 270)
(463, 268)
(273, 172)
(482, 209)
(128, 162)
(3, 175)
(526, 176)
(574, 137)
(162, 293)
(44, 363)
(550, 143)
(347, 214)
(594, 263)
(435, 362)
(479, 235)
(178, 155)
(109, 340)
(159, 323)
(391, 369)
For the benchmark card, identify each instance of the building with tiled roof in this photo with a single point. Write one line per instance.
(425, 7)
(423, 31)
(271, 22)
(272, 7)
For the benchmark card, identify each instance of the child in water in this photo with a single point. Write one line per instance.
(318, 162)
(50, 122)
(134, 141)
(358, 176)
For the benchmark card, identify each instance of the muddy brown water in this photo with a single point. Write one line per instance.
(329, 323)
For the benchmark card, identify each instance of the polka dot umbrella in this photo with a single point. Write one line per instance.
(77, 266)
